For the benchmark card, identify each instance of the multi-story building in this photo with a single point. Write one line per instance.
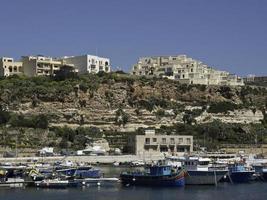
(89, 63)
(150, 143)
(184, 69)
(255, 79)
(40, 65)
(9, 67)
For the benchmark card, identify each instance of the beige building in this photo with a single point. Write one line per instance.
(9, 67)
(150, 143)
(183, 69)
(40, 65)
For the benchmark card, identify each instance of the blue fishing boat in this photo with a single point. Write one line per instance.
(154, 176)
(240, 174)
(80, 172)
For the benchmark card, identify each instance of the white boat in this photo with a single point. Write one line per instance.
(200, 170)
(12, 182)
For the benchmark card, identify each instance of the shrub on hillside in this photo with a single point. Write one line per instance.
(222, 107)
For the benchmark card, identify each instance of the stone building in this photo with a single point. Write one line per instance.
(9, 67)
(40, 65)
(183, 69)
(255, 79)
(151, 143)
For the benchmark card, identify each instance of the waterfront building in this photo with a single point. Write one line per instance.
(89, 63)
(183, 69)
(151, 143)
(10, 67)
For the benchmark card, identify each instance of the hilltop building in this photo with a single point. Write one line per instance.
(47, 66)
(150, 143)
(9, 67)
(255, 79)
(40, 65)
(183, 69)
(89, 63)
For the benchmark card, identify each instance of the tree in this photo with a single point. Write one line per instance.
(121, 117)
(65, 72)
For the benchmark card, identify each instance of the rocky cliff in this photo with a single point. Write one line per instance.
(122, 103)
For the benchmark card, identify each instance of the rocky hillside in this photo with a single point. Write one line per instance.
(121, 103)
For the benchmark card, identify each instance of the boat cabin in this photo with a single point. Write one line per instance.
(160, 170)
(195, 163)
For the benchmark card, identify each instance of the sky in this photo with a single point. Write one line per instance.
(229, 35)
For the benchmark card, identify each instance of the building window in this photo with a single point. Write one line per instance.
(163, 140)
(147, 140)
(180, 140)
(154, 139)
(192, 70)
(183, 76)
(172, 141)
(93, 67)
(10, 69)
(188, 140)
(106, 63)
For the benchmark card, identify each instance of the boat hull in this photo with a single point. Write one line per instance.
(176, 180)
(204, 177)
(241, 177)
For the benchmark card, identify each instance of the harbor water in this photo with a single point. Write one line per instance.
(253, 191)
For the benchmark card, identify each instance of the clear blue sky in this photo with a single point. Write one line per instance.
(228, 34)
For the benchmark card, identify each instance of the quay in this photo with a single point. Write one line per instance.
(85, 159)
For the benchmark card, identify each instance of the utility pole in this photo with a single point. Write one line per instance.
(16, 145)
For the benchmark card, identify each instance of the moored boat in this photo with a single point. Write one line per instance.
(53, 183)
(154, 176)
(240, 174)
(199, 170)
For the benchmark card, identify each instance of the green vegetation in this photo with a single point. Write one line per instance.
(222, 107)
(161, 97)
(121, 117)
(38, 121)
(212, 135)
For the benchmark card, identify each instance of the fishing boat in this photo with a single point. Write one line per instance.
(53, 183)
(239, 173)
(157, 175)
(6, 181)
(80, 172)
(199, 170)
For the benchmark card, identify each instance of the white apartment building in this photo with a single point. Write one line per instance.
(183, 69)
(9, 67)
(89, 63)
(151, 143)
